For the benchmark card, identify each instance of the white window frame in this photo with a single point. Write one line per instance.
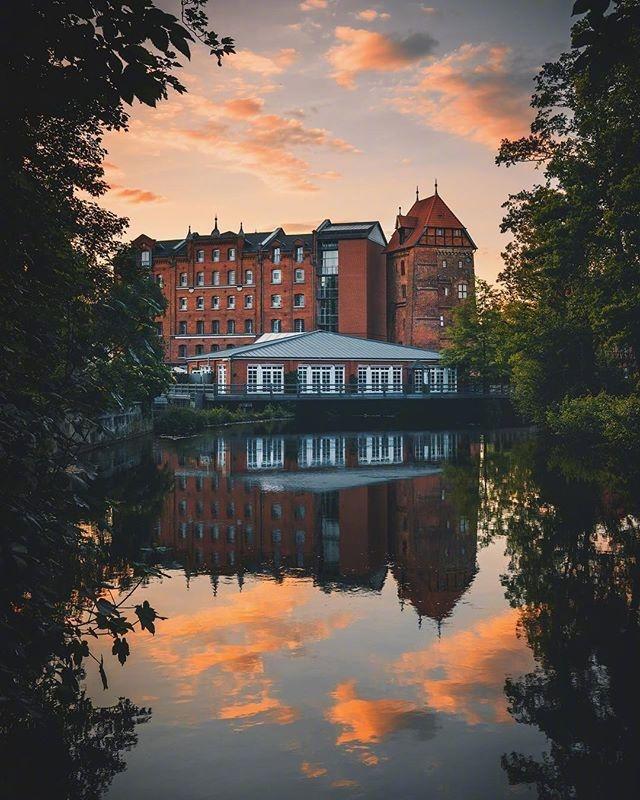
(248, 301)
(145, 258)
(276, 276)
(276, 326)
(298, 275)
(321, 378)
(184, 280)
(248, 277)
(215, 301)
(199, 303)
(298, 301)
(321, 451)
(221, 378)
(216, 277)
(182, 304)
(265, 378)
(199, 278)
(299, 254)
(298, 325)
(276, 301)
(265, 452)
(380, 448)
(215, 254)
(277, 255)
(463, 291)
(200, 256)
(231, 254)
(380, 378)
(231, 301)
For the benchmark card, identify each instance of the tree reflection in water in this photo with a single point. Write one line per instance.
(574, 546)
(54, 741)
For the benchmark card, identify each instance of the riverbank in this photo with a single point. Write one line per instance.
(188, 421)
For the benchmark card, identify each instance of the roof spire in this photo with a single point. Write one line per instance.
(241, 232)
(189, 232)
(436, 186)
(417, 194)
(215, 231)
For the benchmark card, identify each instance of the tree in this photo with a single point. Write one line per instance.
(476, 339)
(76, 330)
(572, 273)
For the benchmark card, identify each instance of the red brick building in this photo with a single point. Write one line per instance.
(225, 289)
(430, 270)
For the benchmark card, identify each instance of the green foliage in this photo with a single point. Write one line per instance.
(605, 419)
(571, 280)
(185, 421)
(477, 339)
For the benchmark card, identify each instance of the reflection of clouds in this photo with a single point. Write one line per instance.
(226, 645)
(465, 673)
(364, 722)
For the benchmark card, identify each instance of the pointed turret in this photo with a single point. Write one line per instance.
(215, 231)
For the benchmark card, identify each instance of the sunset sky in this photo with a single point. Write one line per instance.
(339, 108)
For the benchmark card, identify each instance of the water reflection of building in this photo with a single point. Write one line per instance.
(325, 506)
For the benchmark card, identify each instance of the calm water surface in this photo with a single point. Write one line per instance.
(347, 618)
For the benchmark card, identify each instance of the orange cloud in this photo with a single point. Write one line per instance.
(474, 92)
(136, 195)
(248, 61)
(365, 722)
(312, 770)
(313, 5)
(243, 107)
(370, 14)
(464, 674)
(359, 50)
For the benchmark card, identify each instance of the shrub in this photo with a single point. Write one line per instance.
(180, 421)
(598, 419)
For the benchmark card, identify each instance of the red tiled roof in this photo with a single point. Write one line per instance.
(430, 211)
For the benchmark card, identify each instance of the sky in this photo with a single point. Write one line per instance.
(338, 109)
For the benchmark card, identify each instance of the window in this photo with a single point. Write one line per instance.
(183, 304)
(215, 326)
(200, 303)
(457, 232)
(159, 328)
(231, 301)
(265, 378)
(327, 294)
(160, 281)
(298, 301)
(248, 326)
(298, 275)
(460, 264)
(276, 326)
(182, 351)
(231, 326)
(276, 255)
(199, 278)
(248, 277)
(276, 511)
(298, 325)
(444, 263)
(199, 349)
(215, 301)
(462, 291)
(403, 289)
(231, 277)
(276, 536)
(276, 301)
(439, 232)
(146, 258)
(183, 279)
(215, 255)
(182, 327)
(200, 327)
(248, 510)
(231, 254)
(216, 347)
(446, 291)
(200, 256)
(320, 378)
(299, 253)
(248, 301)
(402, 268)
(441, 320)
(299, 512)
(380, 379)
(276, 276)
(215, 277)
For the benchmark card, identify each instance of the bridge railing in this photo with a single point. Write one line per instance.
(327, 390)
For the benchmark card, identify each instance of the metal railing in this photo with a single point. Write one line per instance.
(329, 390)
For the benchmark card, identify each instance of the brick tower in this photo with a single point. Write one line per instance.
(429, 271)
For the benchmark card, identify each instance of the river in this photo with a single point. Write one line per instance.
(375, 614)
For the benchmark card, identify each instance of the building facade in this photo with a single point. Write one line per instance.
(430, 270)
(225, 289)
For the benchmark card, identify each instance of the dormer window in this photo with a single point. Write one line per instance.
(299, 256)
(146, 258)
(276, 255)
(200, 256)
(231, 255)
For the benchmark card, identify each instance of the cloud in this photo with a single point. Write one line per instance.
(464, 674)
(243, 107)
(312, 770)
(477, 92)
(364, 722)
(136, 195)
(237, 133)
(313, 5)
(359, 50)
(370, 14)
(429, 9)
(248, 61)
